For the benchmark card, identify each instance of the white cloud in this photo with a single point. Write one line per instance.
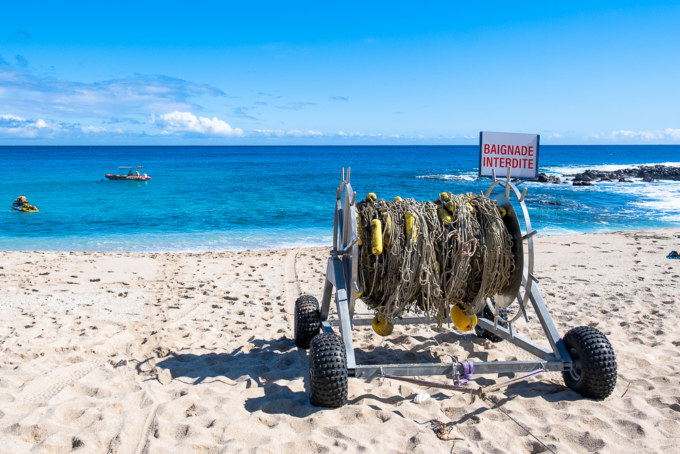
(360, 134)
(282, 133)
(673, 133)
(308, 133)
(270, 132)
(93, 129)
(187, 123)
(34, 95)
(657, 136)
(17, 127)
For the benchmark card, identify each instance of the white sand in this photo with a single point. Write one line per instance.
(134, 353)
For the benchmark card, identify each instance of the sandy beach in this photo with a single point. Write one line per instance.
(136, 353)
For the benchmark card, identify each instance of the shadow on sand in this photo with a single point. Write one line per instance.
(268, 364)
(271, 363)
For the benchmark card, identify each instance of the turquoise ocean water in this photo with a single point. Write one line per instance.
(235, 198)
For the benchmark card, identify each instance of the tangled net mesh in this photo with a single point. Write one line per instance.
(454, 251)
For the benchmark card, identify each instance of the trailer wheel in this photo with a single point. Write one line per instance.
(487, 314)
(328, 371)
(593, 371)
(307, 322)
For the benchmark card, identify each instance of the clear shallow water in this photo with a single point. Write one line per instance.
(233, 198)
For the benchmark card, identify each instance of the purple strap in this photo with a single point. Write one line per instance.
(468, 370)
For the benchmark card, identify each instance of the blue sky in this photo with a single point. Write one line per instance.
(213, 73)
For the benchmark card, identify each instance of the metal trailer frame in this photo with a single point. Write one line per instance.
(342, 274)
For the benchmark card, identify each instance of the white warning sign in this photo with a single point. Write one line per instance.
(499, 151)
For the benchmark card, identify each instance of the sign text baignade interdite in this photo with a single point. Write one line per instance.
(499, 151)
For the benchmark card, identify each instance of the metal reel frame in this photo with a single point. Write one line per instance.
(523, 277)
(342, 275)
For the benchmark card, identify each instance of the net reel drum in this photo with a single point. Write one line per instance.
(584, 355)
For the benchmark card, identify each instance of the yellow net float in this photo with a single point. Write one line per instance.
(376, 237)
(371, 197)
(359, 241)
(444, 215)
(382, 326)
(446, 202)
(411, 227)
(470, 207)
(461, 320)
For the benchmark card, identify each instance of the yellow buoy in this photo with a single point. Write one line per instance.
(470, 207)
(397, 199)
(376, 237)
(382, 326)
(444, 215)
(445, 199)
(371, 197)
(461, 320)
(411, 227)
(359, 242)
(502, 211)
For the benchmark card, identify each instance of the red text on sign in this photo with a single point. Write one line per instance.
(515, 163)
(512, 150)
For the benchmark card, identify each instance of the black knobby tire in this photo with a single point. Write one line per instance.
(487, 314)
(593, 371)
(328, 371)
(307, 322)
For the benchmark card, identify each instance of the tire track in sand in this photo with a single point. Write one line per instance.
(291, 285)
(166, 312)
(173, 306)
(41, 389)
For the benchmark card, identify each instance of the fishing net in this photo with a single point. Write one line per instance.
(426, 257)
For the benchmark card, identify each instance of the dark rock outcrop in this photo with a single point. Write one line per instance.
(551, 202)
(646, 173)
(543, 178)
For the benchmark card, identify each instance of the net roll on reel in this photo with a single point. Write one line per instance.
(441, 259)
(461, 258)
